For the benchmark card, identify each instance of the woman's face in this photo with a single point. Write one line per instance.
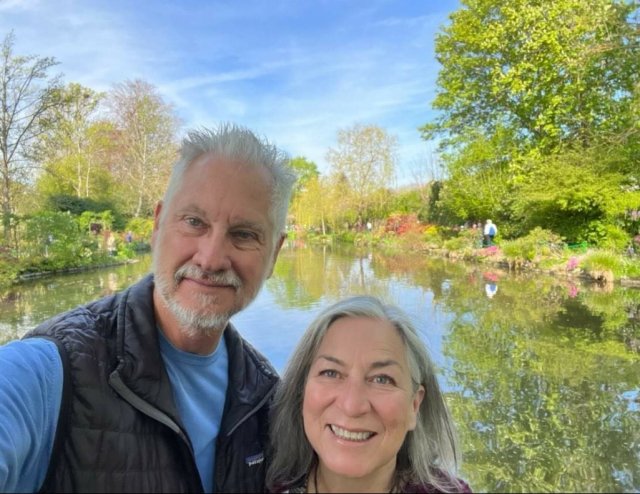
(359, 401)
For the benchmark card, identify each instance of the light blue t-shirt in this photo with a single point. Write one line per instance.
(31, 393)
(199, 387)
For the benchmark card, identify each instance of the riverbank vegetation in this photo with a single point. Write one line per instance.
(536, 127)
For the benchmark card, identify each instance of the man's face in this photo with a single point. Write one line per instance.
(213, 245)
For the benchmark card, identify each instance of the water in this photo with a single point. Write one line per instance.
(542, 375)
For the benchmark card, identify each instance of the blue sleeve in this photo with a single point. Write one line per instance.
(30, 396)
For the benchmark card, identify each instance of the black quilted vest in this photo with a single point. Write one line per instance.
(119, 429)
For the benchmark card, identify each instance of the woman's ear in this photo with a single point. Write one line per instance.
(418, 396)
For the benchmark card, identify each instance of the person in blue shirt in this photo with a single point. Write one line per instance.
(490, 231)
(152, 389)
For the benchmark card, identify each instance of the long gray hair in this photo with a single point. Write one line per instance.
(429, 454)
(241, 145)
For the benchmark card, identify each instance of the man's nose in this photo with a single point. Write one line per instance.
(354, 398)
(213, 252)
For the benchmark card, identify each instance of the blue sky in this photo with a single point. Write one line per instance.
(295, 71)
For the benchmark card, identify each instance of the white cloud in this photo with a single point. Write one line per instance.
(295, 71)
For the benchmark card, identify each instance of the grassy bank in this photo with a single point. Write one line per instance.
(540, 250)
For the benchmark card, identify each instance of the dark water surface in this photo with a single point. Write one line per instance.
(542, 375)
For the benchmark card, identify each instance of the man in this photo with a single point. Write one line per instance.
(152, 389)
(490, 231)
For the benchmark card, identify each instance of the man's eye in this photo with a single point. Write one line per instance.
(245, 235)
(192, 221)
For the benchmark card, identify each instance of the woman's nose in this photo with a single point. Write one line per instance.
(354, 398)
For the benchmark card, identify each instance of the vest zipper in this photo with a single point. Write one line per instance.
(135, 401)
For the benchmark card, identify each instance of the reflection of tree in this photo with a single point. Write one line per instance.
(540, 407)
(33, 302)
(302, 277)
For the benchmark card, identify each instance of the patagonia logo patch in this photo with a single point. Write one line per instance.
(254, 459)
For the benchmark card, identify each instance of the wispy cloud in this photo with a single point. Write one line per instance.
(294, 70)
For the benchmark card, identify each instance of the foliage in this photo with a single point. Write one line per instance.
(414, 200)
(76, 205)
(77, 151)
(104, 219)
(145, 133)
(28, 96)
(306, 170)
(141, 228)
(603, 264)
(364, 163)
(572, 195)
(401, 224)
(551, 74)
(538, 109)
(538, 243)
(56, 240)
(9, 267)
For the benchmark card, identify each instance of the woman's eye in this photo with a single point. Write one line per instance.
(383, 379)
(329, 373)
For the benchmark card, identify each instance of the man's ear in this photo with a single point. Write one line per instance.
(156, 221)
(276, 251)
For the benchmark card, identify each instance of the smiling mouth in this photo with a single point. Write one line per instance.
(351, 435)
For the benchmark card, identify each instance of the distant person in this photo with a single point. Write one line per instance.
(128, 238)
(360, 408)
(490, 289)
(490, 231)
(152, 389)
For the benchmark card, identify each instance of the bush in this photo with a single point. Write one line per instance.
(141, 228)
(537, 244)
(603, 265)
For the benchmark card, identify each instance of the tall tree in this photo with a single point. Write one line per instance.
(365, 159)
(76, 151)
(552, 72)
(28, 94)
(306, 171)
(524, 86)
(146, 133)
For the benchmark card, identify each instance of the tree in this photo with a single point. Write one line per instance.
(76, 152)
(306, 171)
(28, 95)
(550, 72)
(365, 160)
(146, 130)
(525, 86)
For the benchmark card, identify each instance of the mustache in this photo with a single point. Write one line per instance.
(228, 277)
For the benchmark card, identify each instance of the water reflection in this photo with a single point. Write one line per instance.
(542, 374)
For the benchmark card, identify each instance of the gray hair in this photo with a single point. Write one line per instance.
(429, 454)
(241, 145)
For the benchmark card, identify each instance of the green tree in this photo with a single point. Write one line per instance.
(28, 95)
(551, 72)
(146, 128)
(77, 151)
(364, 160)
(537, 103)
(306, 170)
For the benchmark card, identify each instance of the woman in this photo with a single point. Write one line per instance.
(360, 410)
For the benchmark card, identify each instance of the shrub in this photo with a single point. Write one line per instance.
(142, 228)
(531, 248)
(400, 223)
(603, 265)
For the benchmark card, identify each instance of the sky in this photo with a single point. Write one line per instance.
(293, 71)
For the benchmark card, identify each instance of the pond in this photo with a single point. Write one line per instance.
(542, 375)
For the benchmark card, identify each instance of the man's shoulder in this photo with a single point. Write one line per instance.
(239, 349)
